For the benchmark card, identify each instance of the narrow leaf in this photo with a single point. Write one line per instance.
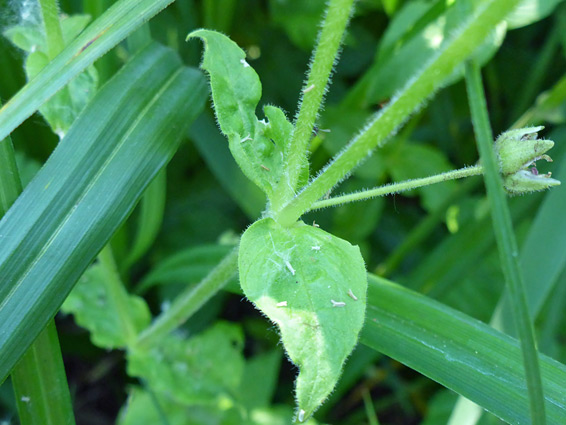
(463, 354)
(313, 286)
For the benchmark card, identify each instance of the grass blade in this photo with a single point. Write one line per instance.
(506, 243)
(88, 187)
(41, 370)
(462, 354)
(40, 384)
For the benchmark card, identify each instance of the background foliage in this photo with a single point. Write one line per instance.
(224, 365)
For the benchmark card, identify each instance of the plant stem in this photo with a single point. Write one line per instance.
(187, 303)
(370, 409)
(334, 25)
(421, 231)
(39, 381)
(53, 32)
(399, 187)
(387, 121)
(117, 293)
(506, 241)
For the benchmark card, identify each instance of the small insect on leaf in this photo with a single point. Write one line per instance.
(318, 328)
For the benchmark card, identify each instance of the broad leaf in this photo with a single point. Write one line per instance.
(258, 146)
(146, 408)
(313, 286)
(95, 308)
(195, 370)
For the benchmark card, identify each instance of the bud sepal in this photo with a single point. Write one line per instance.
(517, 151)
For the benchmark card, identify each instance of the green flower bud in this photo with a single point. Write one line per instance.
(525, 181)
(518, 151)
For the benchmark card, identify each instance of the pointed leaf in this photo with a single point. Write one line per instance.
(258, 146)
(313, 286)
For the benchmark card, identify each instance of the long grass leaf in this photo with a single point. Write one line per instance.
(459, 352)
(88, 187)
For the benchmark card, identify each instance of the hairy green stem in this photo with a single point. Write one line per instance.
(334, 26)
(399, 187)
(188, 302)
(506, 241)
(53, 32)
(421, 231)
(429, 79)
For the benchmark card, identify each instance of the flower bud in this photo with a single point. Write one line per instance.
(525, 181)
(518, 151)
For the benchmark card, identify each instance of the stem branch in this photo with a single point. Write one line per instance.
(399, 187)
(334, 25)
(187, 303)
(429, 79)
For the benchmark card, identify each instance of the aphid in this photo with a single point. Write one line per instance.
(309, 88)
(338, 303)
(301, 416)
(351, 295)
(534, 171)
(243, 62)
(290, 267)
(282, 304)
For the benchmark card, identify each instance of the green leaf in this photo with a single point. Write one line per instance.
(27, 37)
(258, 146)
(313, 286)
(459, 352)
(200, 369)
(95, 308)
(88, 187)
(113, 26)
(61, 110)
(414, 35)
(260, 379)
(146, 408)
